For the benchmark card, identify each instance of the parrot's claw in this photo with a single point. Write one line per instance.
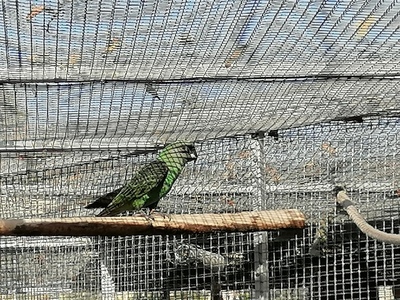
(148, 217)
(150, 214)
(164, 215)
(146, 213)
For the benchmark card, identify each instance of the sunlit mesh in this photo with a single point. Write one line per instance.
(283, 100)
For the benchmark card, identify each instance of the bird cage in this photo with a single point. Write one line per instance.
(284, 101)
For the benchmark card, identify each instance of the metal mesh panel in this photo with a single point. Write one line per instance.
(332, 259)
(283, 101)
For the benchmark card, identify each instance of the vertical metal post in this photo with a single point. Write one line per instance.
(107, 283)
(261, 274)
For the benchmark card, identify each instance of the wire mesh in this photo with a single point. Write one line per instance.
(283, 101)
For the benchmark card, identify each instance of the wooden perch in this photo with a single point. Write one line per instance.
(172, 224)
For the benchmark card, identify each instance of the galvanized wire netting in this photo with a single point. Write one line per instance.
(283, 100)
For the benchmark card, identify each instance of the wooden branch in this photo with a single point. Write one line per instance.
(140, 225)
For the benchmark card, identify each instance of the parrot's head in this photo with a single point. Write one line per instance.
(178, 153)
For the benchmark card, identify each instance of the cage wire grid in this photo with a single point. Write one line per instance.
(284, 100)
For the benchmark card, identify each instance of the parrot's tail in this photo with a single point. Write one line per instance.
(104, 200)
(114, 209)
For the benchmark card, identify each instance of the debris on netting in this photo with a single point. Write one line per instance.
(152, 91)
(230, 171)
(186, 38)
(188, 254)
(225, 199)
(244, 154)
(394, 194)
(312, 169)
(363, 27)
(328, 148)
(37, 59)
(73, 61)
(273, 174)
(234, 56)
(35, 10)
(62, 8)
(320, 243)
(112, 46)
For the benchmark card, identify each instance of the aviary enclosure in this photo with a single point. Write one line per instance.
(283, 100)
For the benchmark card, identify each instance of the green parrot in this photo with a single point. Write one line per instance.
(152, 182)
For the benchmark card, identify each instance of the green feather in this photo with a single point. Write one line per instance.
(152, 182)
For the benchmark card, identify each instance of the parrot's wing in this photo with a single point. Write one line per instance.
(148, 178)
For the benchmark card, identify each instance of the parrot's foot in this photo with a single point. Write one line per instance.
(148, 217)
(164, 215)
(146, 214)
(149, 214)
